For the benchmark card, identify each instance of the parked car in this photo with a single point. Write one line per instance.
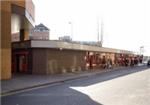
(148, 62)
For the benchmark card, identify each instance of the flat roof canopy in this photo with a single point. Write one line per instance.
(66, 45)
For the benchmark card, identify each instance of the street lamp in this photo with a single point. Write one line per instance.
(71, 29)
(141, 50)
(98, 34)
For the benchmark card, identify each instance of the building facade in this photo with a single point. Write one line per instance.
(42, 56)
(40, 32)
(52, 57)
(65, 38)
(17, 18)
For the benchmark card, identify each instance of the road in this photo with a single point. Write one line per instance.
(121, 87)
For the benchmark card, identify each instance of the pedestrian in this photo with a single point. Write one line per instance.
(132, 62)
(104, 62)
(126, 62)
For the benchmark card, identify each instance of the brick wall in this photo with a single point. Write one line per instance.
(40, 35)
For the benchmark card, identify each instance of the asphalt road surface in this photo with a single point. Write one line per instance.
(121, 87)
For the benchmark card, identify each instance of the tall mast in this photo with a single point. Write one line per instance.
(102, 26)
(98, 30)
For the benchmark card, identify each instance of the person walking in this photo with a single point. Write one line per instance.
(104, 62)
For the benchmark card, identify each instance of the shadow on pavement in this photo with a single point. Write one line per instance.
(55, 95)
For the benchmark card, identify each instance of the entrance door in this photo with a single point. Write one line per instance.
(21, 62)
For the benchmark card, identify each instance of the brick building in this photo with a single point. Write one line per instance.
(17, 18)
(40, 32)
(51, 57)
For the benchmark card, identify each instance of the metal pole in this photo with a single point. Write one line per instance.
(102, 31)
(98, 29)
(141, 50)
(71, 30)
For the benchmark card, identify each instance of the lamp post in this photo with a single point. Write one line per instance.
(98, 29)
(98, 34)
(71, 29)
(102, 29)
(141, 50)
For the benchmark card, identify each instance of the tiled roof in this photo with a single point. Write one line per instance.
(41, 26)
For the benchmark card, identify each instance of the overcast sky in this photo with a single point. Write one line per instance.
(126, 22)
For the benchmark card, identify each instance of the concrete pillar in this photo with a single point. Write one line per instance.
(5, 41)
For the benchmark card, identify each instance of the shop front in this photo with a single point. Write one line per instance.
(20, 62)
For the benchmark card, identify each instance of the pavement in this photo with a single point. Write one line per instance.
(21, 82)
